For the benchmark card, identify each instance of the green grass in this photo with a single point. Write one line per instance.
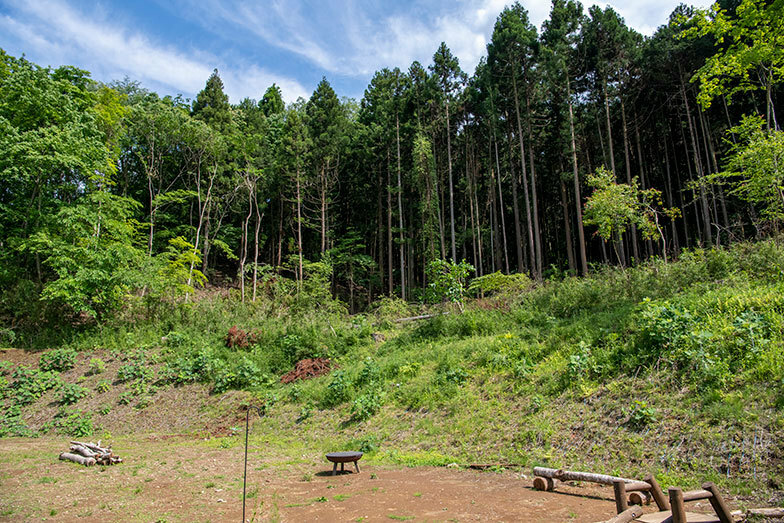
(671, 368)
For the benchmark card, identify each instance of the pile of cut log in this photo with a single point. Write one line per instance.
(88, 454)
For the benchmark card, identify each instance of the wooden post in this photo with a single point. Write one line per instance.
(619, 488)
(718, 503)
(676, 501)
(658, 494)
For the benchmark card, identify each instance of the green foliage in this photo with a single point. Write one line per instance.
(338, 391)
(134, 370)
(96, 366)
(448, 280)
(749, 51)
(71, 393)
(755, 168)
(366, 405)
(498, 283)
(57, 360)
(30, 384)
(92, 247)
(613, 207)
(640, 415)
(75, 423)
(103, 386)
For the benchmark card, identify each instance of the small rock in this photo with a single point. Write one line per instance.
(452, 466)
(221, 500)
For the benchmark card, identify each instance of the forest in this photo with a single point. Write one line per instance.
(575, 145)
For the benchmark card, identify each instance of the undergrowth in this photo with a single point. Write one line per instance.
(669, 367)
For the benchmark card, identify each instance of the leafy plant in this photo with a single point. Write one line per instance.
(96, 366)
(338, 390)
(71, 393)
(57, 360)
(366, 405)
(448, 280)
(640, 415)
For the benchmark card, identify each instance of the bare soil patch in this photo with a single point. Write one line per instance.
(183, 478)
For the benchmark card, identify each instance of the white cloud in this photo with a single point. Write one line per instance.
(109, 50)
(355, 38)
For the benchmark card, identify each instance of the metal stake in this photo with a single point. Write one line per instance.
(260, 411)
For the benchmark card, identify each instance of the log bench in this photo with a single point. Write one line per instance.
(343, 458)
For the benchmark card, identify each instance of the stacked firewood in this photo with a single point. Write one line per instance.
(88, 454)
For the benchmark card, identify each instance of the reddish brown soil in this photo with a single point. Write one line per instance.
(187, 479)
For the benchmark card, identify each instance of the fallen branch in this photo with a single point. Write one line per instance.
(90, 451)
(87, 462)
(422, 317)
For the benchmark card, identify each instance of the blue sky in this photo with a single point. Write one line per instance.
(172, 46)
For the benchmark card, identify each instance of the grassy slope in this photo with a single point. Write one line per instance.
(676, 369)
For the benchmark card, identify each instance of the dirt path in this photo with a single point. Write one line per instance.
(181, 478)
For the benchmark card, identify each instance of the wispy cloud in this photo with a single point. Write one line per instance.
(355, 38)
(111, 51)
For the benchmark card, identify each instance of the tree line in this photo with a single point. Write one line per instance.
(579, 143)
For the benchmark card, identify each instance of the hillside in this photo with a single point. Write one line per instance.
(670, 368)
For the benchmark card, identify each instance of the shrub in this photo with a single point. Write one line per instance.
(76, 423)
(57, 360)
(500, 284)
(366, 405)
(134, 370)
(97, 366)
(369, 374)
(71, 393)
(338, 390)
(640, 415)
(29, 384)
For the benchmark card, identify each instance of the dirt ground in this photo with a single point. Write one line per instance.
(182, 478)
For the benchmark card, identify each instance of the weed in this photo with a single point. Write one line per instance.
(96, 366)
(70, 393)
(57, 360)
(103, 386)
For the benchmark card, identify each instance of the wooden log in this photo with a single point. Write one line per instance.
(619, 489)
(717, 501)
(696, 495)
(84, 451)
(637, 486)
(630, 514)
(676, 502)
(639, 498)
(570, 475)
(76, 458)
(552, 484)
(422, 317)
(658, 494)
(540, 483)
(767, 512)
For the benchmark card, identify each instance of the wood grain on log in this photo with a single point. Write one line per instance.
(76, 458)
(767, 512)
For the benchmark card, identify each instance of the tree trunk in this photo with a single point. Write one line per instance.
(635, 247)
(708, 233)
(400, 211)
(567, 228)
(537, 233)
(531, 245)
(451, 189)
(577, 199)
(300, 273)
